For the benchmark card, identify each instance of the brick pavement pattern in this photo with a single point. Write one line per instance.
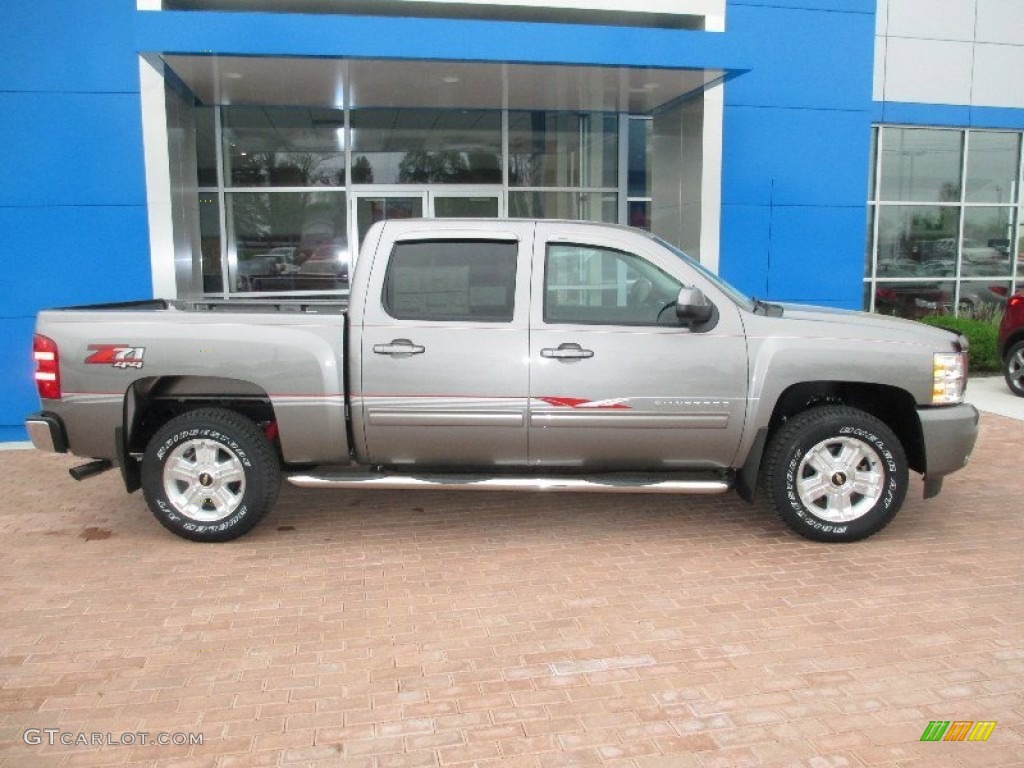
(386, 629)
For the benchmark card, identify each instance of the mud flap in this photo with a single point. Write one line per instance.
(131, 469)
(746, 478)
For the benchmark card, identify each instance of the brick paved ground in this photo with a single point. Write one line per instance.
(443, 629)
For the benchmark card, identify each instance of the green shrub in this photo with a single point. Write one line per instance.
(982, 355)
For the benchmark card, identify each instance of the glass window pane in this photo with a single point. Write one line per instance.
(370, 210)
(1020, 248)
(869, 241)
(992, 162)
(582, 206)
(983, 299)
(921, 164)
(913, 300)
(640, 214)
(426, 146)
(872, 165)
(476, 207)
(589, 285)
(209, 242)
(988, 234)
(289, 241)
(283, 147)
(917, 240)
(454, 280)
(563, 149)
(640, 133)
(206, 146)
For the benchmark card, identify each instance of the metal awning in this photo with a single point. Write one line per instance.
(404, 83)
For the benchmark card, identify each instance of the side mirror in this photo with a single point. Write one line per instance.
(693, 308)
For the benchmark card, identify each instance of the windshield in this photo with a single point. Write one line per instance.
(742, 300)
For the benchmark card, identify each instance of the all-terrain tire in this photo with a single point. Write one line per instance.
(210, 475)
(835, 473)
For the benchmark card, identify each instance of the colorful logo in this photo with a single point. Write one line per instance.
(116, 355)
(958, 730)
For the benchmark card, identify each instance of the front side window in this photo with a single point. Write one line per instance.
(456, 280)
(602, 286)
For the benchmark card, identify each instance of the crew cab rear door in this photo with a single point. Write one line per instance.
(616, 381)
(443, 374)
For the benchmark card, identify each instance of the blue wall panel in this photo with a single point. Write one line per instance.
(795, 156)
(285, 34)
(67, 45)
(19, 386)
(796, 138)
(748, 228)
(860, 6)
(803, 58)
(73, 255)
(954, 116)
(72, 149)
(72, 183)
(810, 258)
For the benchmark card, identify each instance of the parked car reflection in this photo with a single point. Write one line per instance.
(277, 261)
(326, 269)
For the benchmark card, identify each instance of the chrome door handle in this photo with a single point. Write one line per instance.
(399, 348)
(567, 351)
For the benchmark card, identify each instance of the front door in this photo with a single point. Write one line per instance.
(616, 382)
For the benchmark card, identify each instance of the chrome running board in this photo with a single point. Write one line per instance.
(681, 483)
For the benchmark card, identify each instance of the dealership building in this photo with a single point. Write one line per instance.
(863, 154)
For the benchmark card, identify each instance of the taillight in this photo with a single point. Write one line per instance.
(44, 351)
(1016, 300)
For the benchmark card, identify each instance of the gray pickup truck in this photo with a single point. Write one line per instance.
(506, 355)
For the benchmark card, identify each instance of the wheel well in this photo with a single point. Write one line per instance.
(150, 403)
(893, 406)
(1012, 339)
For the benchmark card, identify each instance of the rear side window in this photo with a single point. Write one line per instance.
(472, 280)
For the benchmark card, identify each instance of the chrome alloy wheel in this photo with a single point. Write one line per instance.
(840, 479)
(204, 480)
(1015, 370)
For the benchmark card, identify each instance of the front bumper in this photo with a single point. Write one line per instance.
(949, 435)
(47, 433)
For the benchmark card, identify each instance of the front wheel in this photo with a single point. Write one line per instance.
(1013, 369)
(210, 475)
(835, 473)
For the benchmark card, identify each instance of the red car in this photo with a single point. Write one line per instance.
(1011, 343)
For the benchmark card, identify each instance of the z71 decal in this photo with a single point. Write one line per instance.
(116, 355)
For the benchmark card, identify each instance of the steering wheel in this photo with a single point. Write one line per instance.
(639, 292)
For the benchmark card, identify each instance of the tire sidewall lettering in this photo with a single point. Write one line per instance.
(251, 455)
(814, 427)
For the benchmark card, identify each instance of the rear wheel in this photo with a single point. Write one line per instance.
(1013, 369)
(836, 473)
(210, 475)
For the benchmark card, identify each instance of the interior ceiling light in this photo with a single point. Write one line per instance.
(233, 75)
(452, 79)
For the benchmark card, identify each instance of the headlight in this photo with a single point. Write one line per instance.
(949, 377)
